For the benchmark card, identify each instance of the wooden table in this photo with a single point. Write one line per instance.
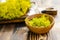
(19, 31)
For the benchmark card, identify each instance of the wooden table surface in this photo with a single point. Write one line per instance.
(19, 31)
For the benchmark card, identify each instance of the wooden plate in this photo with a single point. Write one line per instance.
(13, 21)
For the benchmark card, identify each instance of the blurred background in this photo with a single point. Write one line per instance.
(39, 5)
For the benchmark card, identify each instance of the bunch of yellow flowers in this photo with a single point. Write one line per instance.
(12, 9)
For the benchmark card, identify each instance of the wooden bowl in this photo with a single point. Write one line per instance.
(39, 30)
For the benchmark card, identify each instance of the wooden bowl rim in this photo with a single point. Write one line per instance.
(40, 27)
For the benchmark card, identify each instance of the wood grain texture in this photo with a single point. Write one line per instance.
(6, 32)
(19, 31)
(33, 36)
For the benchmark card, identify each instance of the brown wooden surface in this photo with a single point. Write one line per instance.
(19, 31)
(4, 21)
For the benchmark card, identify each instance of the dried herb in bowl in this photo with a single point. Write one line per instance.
(39, 23)
(42, 21)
